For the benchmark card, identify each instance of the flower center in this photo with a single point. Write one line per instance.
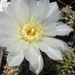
(32, 31)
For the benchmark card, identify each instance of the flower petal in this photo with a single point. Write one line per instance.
(53, 7)
(43, 4)
(16, 37)
(1, 35)
(54, 54)
(37, 68)
(4, 41)
(24, 12)
(51, 32)
(31, 54)
(16, 11)
(56, 44)
(14, 47)
(5, 18)
(15, 60)
(32, 5)
(57, 28)
(50, 26)
(54, 14)
(6, 29)
(25, 45)
(63, 29)
(42, 46)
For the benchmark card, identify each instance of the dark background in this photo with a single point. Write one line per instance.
(63, 3)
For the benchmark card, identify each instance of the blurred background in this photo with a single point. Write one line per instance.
(51, 67)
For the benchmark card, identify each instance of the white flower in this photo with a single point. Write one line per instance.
(29, 26)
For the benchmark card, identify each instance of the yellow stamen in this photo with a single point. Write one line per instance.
(32, 31)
